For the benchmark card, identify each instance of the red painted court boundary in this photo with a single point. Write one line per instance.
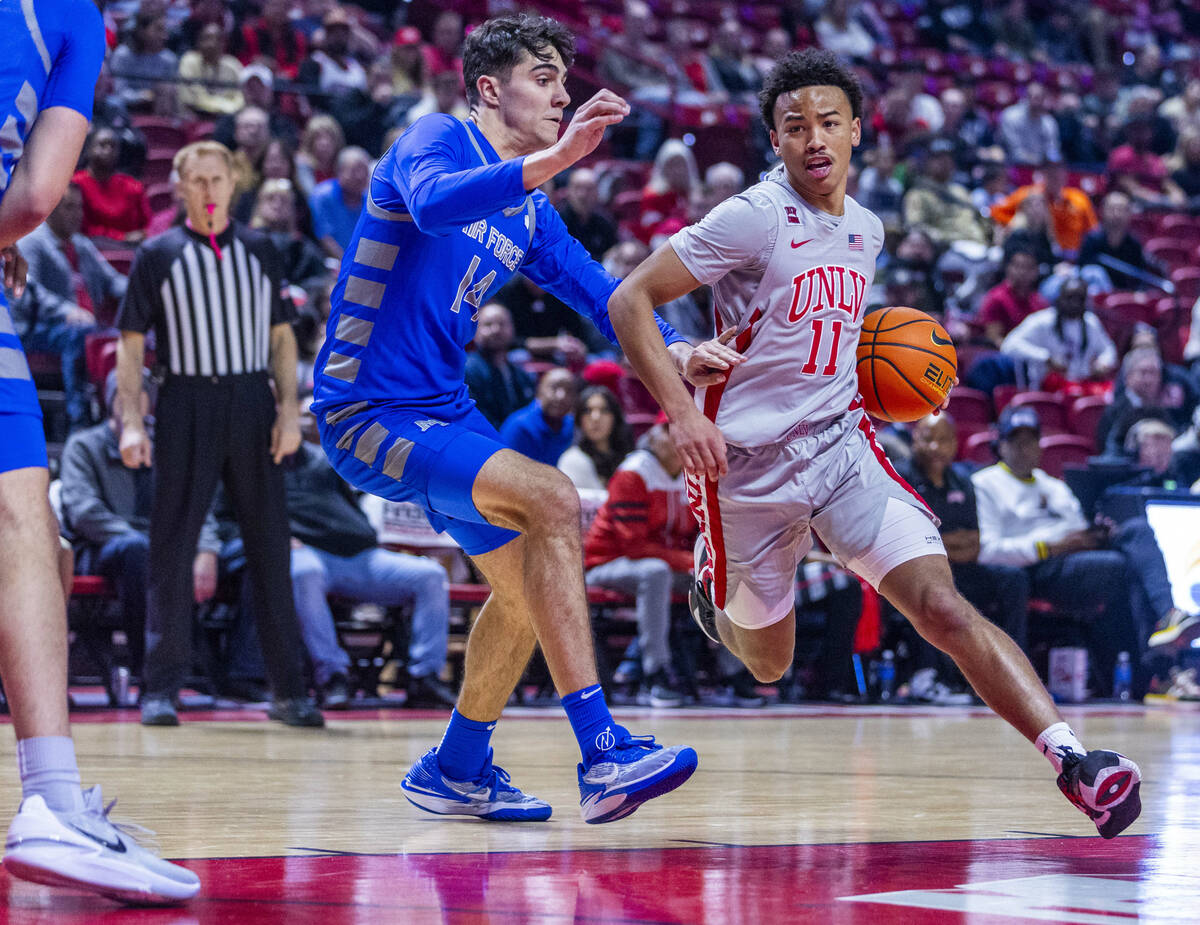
(691, 883)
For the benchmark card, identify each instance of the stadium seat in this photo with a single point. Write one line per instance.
(1049, 407)
(968, 430)
(160, 197)
(1059, 450)
(970, 406)
(120, 260)
(100, 358)
(634, 397)
(1187, 283)
(1170, 251)
(157, 169)
(1084, 415)
(160, 132)
(978, 448)
(1002, 395)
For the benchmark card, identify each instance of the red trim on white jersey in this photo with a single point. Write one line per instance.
(868, 429)
(702, 496)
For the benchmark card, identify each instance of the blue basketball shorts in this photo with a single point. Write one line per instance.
(22, 441)
(429, 457)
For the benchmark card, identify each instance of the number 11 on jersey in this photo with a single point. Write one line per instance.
(818, 329)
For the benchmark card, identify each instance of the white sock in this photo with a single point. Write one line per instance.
(1056, 741)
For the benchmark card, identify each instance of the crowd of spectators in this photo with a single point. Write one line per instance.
(1036, 166)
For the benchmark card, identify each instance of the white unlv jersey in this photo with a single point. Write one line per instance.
(794, 282)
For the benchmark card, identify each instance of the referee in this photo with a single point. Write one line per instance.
(212, 291)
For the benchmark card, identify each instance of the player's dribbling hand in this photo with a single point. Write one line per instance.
(712, 361)
(15, 269)
(587, 127)
(946, 401)
(700, 445)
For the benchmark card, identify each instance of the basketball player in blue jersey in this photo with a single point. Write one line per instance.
(801, 455)
(449, 218)
(50, 56)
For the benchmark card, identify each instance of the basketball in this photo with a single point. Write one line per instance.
(906, 364)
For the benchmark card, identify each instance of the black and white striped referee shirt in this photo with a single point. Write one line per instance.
(210, 317)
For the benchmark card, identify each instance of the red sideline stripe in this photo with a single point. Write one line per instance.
(869, 431)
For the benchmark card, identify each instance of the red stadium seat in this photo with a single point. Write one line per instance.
(120, 260)
(161, 197)
(978, 448)
(1170, 251)
(160, 132)
(970, 406)
(1059, 450)
(1084, 415)
(634, 397)
(1049, 407)
(100, 358)
(1002, 395)
(1187, 283)
(157, 169)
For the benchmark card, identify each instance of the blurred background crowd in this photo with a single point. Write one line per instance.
(1037, 169)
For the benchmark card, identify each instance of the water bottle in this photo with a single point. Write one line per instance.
(887, 676)
(1122, 677)
(120, 686)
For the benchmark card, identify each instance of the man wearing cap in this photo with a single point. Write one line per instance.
(408, 64)
(258, 90)
(1030, 519)
(331, 68)
(641, 542)
(941, 206)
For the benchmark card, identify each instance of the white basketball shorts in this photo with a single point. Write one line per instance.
(756, 524)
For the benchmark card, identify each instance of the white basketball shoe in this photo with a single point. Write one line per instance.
(84, 850)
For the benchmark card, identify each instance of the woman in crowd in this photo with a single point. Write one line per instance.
(114, 204)
(275, 215)
(316, 161)
(278, 163)
(602, 441)
(674, 182)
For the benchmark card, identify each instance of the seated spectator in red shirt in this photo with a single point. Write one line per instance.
(674, 180)
(444, 52)
(1008, 304)
(273, 37)
(114, 204)
(1139, 172)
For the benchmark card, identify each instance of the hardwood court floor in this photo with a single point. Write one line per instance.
(795, 815)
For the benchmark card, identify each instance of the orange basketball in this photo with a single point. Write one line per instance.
(906, 364)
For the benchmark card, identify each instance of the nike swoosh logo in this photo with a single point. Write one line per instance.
(111, 845)
(796, 244)
(591, 693)
(940, 341)
(491, 727)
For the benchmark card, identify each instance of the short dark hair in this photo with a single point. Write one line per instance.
(495, 47)
(812, 67)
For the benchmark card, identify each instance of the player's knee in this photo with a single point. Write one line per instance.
(945, 617)
(768, 666)
(555, 507)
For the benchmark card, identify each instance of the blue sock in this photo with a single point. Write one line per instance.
(464, 749)
(588, 714)
(47, 766)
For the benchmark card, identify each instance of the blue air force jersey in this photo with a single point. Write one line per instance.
(50, 55)
(446, 224)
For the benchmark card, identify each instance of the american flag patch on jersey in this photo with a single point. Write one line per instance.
(856, 242)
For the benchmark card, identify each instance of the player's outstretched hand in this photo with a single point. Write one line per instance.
(712, 361)
(587, 128)
(946, 401)
(700, 445)
(15, 269)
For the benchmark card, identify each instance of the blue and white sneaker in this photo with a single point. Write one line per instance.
(631, 771)
(85, 850)
(489, 796)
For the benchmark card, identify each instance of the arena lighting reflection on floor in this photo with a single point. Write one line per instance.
(1021, 879)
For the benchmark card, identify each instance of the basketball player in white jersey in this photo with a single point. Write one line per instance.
(776, 442)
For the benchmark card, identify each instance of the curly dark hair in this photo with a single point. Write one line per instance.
(812, 67)
(495, 47)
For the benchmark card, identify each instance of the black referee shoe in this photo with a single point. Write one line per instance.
(296, 711)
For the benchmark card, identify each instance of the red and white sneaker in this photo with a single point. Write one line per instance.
(1104, 785)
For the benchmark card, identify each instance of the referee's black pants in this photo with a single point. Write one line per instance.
(210, 428)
